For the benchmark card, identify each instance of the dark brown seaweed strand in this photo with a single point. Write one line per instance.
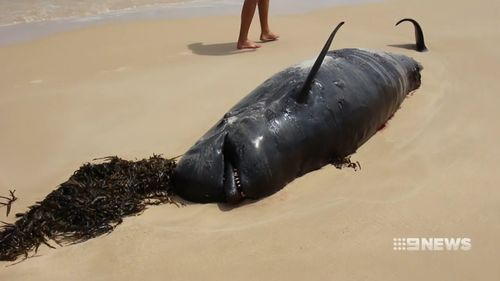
(9, 200)
(90, 203)
(346, 162)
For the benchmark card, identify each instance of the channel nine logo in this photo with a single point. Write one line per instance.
(431, 244)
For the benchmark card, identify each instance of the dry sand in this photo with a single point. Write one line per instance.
(134, 89)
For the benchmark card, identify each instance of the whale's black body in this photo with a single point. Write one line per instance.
(284, 129)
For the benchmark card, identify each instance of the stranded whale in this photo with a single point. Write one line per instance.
(299, 120)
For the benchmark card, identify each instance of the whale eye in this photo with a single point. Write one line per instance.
(341, 103)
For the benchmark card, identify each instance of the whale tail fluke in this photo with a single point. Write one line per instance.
(316, 66)
(419, 34)
(92, 202)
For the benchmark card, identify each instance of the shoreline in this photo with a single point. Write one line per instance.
(25, 32)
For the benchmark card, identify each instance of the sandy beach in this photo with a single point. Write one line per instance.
(139, 88)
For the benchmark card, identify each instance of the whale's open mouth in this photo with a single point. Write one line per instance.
(232, 178)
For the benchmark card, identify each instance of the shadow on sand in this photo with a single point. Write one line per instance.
(403, 46)
(228, 207)
(219, 49)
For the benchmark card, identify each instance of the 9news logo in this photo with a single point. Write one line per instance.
(432, 244)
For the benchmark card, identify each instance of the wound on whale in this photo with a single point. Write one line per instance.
(303, 118)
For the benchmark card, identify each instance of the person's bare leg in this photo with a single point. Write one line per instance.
(247, 13)
(266, 34)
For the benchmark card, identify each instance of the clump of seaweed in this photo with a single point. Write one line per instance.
(346, 162)
(90, 203)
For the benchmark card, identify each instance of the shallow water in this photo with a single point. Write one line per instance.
(23, 11)
(22, 20)
(26, 11)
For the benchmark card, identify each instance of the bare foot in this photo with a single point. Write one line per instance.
(247, 44)
(269, 36)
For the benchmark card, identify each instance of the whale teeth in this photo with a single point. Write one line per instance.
(237, 178)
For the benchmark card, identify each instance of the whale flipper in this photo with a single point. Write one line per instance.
(317, 64)
(419, 34)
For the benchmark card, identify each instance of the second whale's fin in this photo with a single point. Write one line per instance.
(315, 68)
(419, 34)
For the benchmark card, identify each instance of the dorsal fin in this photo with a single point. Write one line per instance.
(419, 34)
(315, 68)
